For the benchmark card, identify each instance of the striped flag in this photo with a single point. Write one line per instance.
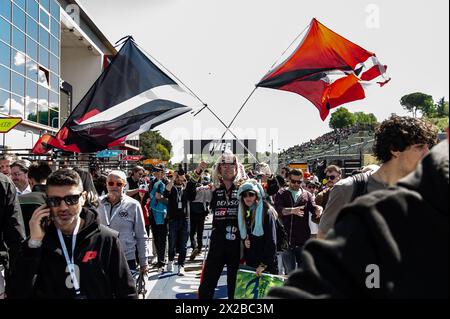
(130, 97)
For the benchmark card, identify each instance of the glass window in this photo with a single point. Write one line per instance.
(42, 95)
(33, 9)
(54, 46)
(5, 54)
(54, 82)
(44, 19)
(17, 84)
(54, 9)
(32, 49)
(54, 64)
(5, 78)
(18, 18)
(54, 100)
(32, 70)
(30, 111)
(43, 57)
(43, 115)
(46, 4)
(54, 118)
(5, 9)
(5, 30)
(44, 38)
(20, 3)
(32, 28)
(55, 28)
(18, 40)
(32, 88)
(17, 105)
(43, 76)
(18, 62)
(4, 101)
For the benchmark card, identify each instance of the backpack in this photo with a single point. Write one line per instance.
(360, 182)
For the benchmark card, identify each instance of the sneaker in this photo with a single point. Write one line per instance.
(181, 271)
(194, 254)
(169, 266)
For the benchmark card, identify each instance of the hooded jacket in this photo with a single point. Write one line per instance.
(390, 243)
(103, 270)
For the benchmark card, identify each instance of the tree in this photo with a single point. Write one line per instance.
(153, 145)
(442, 108)
(418, 102)
(342, 118)
(364, 119)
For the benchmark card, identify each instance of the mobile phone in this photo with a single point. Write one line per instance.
(45, 223)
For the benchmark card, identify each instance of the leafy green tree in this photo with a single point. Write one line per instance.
(342, 118)
(153, 145)
(442, 108)
(418, 102)
(365, 118)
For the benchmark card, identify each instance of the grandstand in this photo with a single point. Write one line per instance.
(339, 145)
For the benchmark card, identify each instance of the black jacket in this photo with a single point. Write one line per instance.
(12, 230)
(173, 212)
(29, 203)
(104, 274)
(403, 231)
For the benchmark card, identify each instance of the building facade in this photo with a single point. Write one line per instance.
(51, 52)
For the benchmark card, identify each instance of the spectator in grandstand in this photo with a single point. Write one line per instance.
(12, 231)
(122, 213)
(291, 205)
(5, 164)
(69, 255)
(383, 242)
(19, 171)
(256, 220)
(400, 143)
(37, 177)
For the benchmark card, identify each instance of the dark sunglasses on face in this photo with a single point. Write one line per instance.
(70, 200)
(295, 182)
(118, 184)
(331, 177)
(248, 194)
(311, 186)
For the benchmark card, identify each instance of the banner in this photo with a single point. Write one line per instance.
(249, 286)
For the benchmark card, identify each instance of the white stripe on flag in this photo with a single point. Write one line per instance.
(165, 92)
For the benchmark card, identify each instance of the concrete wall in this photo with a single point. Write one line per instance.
(80, 67)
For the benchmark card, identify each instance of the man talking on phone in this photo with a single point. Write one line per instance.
(68, 254)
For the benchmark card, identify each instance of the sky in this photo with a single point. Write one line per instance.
(221, 49)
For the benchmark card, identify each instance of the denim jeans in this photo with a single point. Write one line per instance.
(291, 259)
(178, 238)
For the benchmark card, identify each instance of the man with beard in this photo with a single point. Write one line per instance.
(225, 240)
(69, 255)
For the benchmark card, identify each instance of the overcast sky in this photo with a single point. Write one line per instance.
(220, 49)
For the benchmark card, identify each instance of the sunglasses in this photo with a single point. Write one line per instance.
(118, 184)
(248, 194)
(70, 200)
(331, 177)
(311, 186)
(292, 181)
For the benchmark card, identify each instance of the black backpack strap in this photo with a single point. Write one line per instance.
(360, 182)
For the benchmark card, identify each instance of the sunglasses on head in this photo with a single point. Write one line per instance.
(248, 194)
(70, 200)
(118, 184)
(331, 177)
(292, 181)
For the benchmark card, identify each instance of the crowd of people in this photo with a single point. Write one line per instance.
(73, 233)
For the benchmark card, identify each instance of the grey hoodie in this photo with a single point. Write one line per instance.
(127, 218)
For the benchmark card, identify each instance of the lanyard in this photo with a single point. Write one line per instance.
(179, 196)
(70, 262)
(109, 221)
